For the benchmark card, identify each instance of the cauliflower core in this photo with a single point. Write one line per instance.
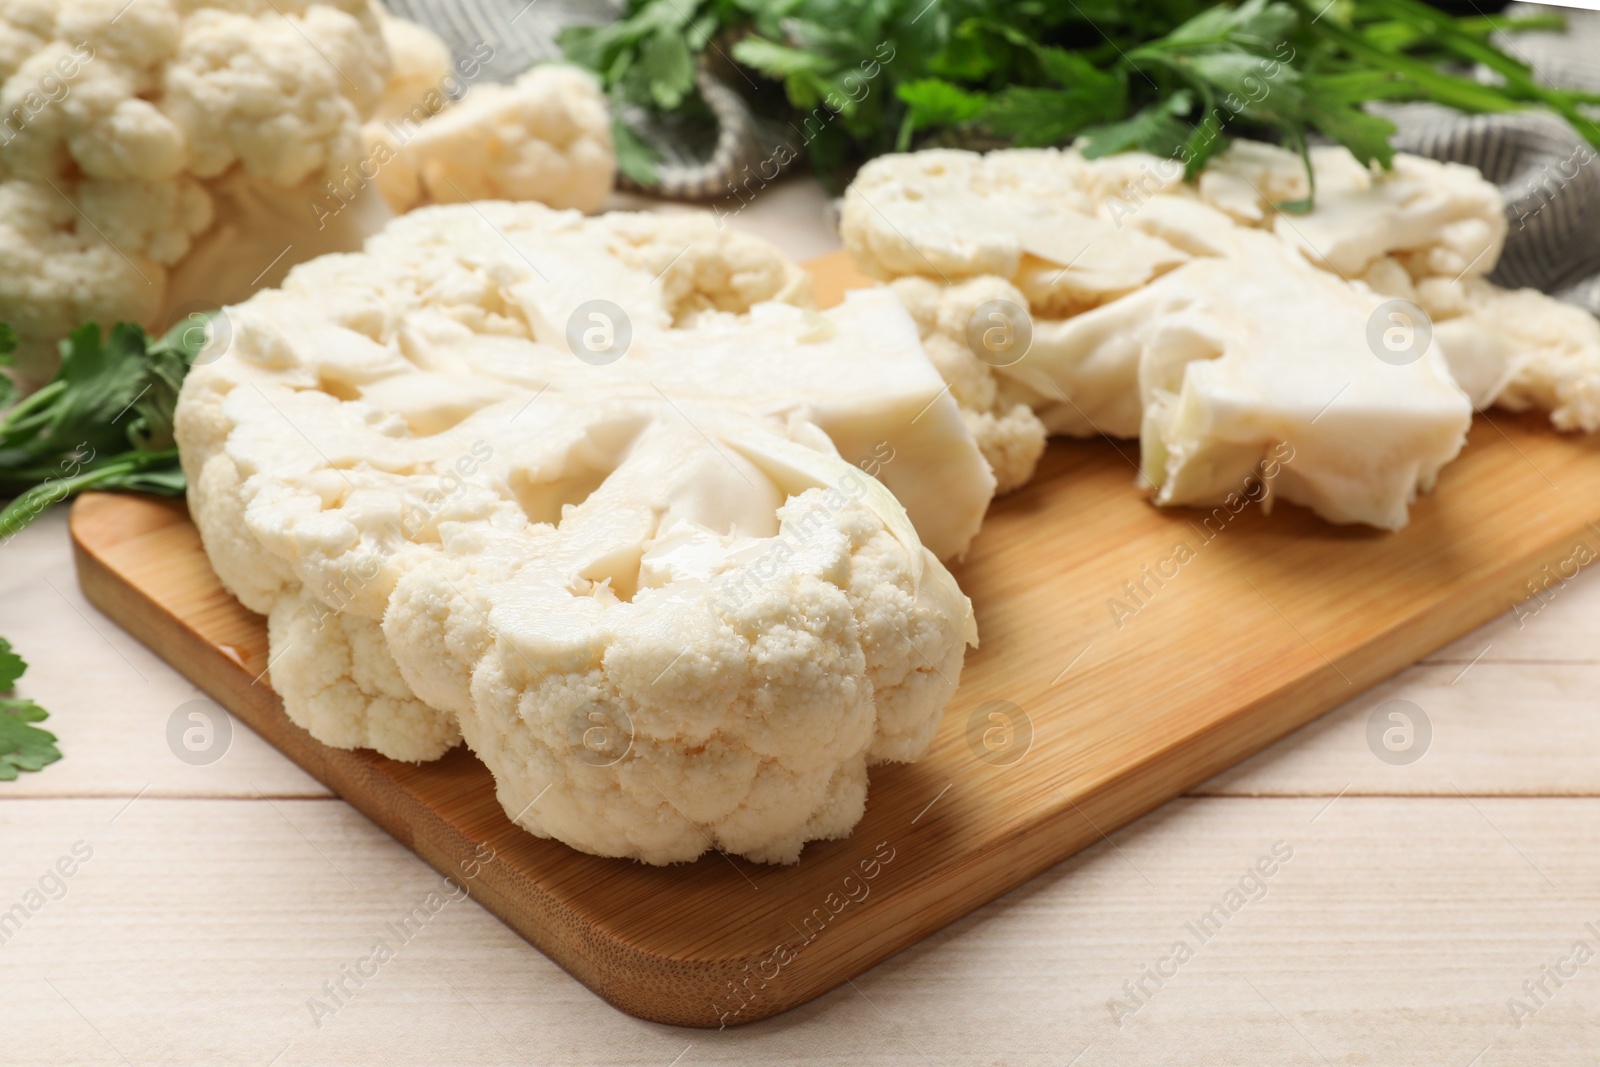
(1210, 324)
(164, 153)
(647, 580)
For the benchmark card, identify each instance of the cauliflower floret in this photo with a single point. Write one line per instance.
(422, 75)
(655, 582)
(1518, 348)
(668, 623)
(158, 219)
(1034, 217)
(339, 681)
(1433, 218)
(546, 137)
(255, 90)
(1008, 433)
(703, 269)
(733, 699)
(56, 272)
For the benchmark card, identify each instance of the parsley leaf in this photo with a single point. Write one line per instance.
(1176, 77)
(1033, 118)
(8, 345)
(23, 746)
(935, 102)
(1157, 128)
(11, 666)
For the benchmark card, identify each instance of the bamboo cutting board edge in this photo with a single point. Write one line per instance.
(133, 565)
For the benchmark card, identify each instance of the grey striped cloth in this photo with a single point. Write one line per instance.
(1541, 163)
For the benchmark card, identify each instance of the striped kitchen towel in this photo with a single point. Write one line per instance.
(1544, 166)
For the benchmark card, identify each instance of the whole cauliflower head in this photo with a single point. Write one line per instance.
(624, 545)
(136, 137)
(114, 116)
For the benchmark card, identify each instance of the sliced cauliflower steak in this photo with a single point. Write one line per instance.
(1202, 319)
(653, 589)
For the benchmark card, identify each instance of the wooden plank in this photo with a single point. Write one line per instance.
(1394, 936)
(1495, 729)
(1273, 621)
(110, 699)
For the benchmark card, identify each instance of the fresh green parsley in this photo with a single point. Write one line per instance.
(23, 746)
(105, 421)
(858, 78)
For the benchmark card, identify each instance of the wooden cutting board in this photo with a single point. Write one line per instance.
(1073, 718)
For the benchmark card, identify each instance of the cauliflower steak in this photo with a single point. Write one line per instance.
(592, 494)
(1217, 324)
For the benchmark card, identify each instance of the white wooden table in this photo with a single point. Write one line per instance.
(217, 901)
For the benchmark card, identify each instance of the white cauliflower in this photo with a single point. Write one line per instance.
(1165, 310)
(995, 408)
(655, 593)
(1035, 217)
(165, 153)
(1517, 348)
(546, 137)
(1428, 217)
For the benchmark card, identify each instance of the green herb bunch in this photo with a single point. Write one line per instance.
(858, 78)
(105, 421)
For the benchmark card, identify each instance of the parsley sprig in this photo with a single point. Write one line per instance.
(1174, 77)
(23, 746)
(105, 421)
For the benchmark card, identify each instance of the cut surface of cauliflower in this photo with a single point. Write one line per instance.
(1349, 436)
(1030, 216)
(1211, 283)
(649, 582)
